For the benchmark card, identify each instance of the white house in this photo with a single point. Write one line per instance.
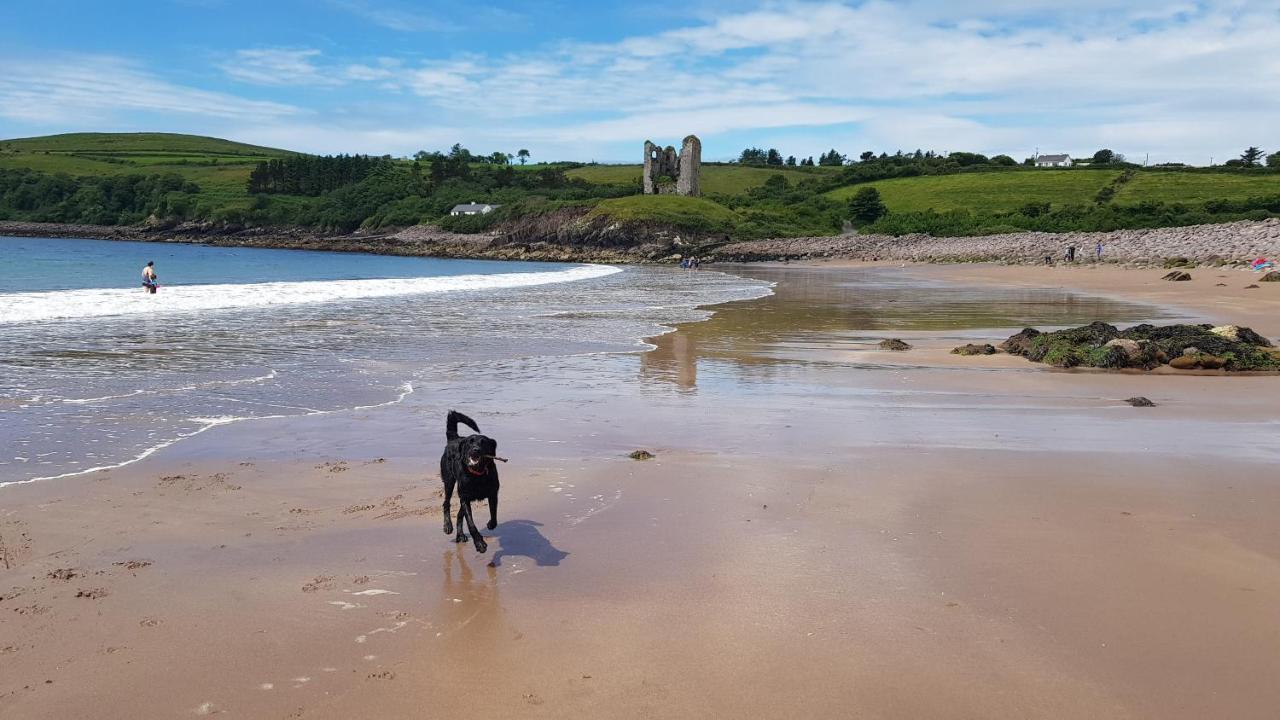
(1053, 161)
(473, 209)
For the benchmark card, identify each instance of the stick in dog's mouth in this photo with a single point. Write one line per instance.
(495, 457)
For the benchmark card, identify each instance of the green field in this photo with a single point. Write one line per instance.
(137, 144)
(1196, 187)
(688, 212)
(220, 167)
(986, 192)
(994, 199)
(716, 179)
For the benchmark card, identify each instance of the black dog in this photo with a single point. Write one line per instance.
(467, 463)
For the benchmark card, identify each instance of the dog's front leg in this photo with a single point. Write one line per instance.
(461, 537)
(493, 511)
(476, 537)
(448, 497)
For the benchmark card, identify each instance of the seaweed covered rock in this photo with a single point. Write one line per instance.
(1273, 276)
(974, 349)
(1020, 344)
(1178, 262)
(1247, 352)
(1086, 345)
(1198, 361)
(1140, 401)
(1145, 346)
(1139, 353)
(894, 344)
(1177, 276)
(1236, 333)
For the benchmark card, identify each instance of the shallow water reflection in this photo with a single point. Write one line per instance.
(840, 309)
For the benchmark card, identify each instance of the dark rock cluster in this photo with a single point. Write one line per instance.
(1183, 347)
(894, 344)
(974, 349)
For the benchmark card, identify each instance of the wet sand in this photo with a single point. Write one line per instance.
(826, 528)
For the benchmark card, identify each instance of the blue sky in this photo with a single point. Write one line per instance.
(591, 81)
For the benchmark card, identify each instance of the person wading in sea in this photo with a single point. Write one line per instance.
(149, 283)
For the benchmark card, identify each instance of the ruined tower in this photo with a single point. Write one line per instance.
(666, 173)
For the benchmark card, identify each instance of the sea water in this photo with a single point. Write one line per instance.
(96, 373)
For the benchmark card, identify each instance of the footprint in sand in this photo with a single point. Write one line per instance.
(321, 582)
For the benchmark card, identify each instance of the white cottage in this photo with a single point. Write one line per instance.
(473, 209)
(1053, 161)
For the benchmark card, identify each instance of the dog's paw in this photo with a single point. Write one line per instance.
(461, 539)
(481, 545)
(448, 527)
(492, 524)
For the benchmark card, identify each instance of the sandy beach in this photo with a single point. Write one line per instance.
(825, 528)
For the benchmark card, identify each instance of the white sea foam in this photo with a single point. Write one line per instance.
(105, 302)
(206, 423)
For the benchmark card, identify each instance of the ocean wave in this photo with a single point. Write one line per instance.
(105, 302)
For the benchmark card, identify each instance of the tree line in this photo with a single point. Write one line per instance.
(312, 174)
(1252, 157)
(101, 200)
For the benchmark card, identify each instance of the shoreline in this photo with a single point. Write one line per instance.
(1232, 244)
(974, 538)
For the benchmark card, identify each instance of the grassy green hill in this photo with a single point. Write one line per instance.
(138, 145)
(1005, 191)
(123, 178)
(220, 167)
(986, 192)
(716, 179)
(688, 212)
(1189, 187)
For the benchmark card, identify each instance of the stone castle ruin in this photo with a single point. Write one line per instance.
(666, 173)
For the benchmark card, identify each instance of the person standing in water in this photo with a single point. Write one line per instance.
(149, 277)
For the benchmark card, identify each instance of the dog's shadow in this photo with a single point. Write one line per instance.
(521, 538)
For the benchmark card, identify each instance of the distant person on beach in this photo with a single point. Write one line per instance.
(149, 277)
(1071, 253)
(1098, 250)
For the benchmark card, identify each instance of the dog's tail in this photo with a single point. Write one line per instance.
(451, 424)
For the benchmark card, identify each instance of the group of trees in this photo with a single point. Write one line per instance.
(758, 157)
(312, 174)
(1254, 157)
(101, 200)
(457, 152)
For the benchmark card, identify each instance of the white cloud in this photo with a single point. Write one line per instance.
(98, 89)
(1179, 80)
(278, 66)
(944, 77)
(394, 18)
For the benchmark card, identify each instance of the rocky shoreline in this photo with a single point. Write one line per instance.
(416, 241)
(1224, 244)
